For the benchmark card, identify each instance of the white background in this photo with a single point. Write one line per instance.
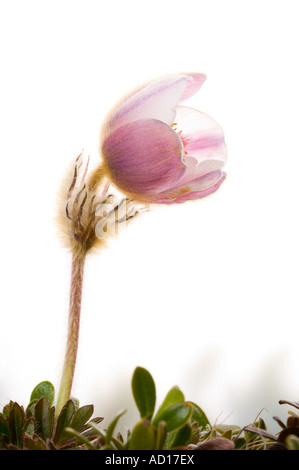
(204, 294)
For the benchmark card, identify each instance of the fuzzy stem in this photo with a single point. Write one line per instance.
(73, 332)
(96, 177)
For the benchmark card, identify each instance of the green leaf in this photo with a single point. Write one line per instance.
(143, 436)
(80, 438)
(240, 443)
(63, 421)
(261, 424)
(3, 426)
(7, 409)
(81, 416)
(199, 416)
(173, 397)
(182, 436)
(101, 432)
(29, 427)
(111, 427)
(224, 428)
(228, 434)
(292, 442)
(107, 435)
(176, 416)
(15, 422)
(34, 444)
(144, 392)
(44, 418)
(43, 389)
(117, 444)
(30, 407)
(76, 402)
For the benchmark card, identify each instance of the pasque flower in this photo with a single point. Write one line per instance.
(155, 151)
(158, 151)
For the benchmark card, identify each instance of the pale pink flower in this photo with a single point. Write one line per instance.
(156, 150)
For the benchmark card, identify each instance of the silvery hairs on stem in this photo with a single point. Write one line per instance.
(90, 209)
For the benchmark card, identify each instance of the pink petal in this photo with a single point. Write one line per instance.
(195, 171)
(194, 83)
(200, 194)
(144, 157)
(198, 188)
(156, 100)
(202, 136)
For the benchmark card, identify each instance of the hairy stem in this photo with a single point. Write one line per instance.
(73, 332)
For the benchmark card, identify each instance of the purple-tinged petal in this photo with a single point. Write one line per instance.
(157, 100)
(144, 157)
(195, 81)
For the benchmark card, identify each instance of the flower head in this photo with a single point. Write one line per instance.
(158, 151)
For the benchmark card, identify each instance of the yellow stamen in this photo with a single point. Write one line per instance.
(184, 190)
